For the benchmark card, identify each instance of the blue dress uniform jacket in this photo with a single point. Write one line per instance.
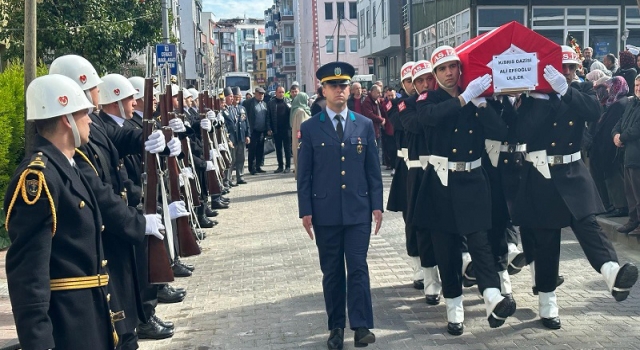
(339, 181)
(550, 203)
(61, 319)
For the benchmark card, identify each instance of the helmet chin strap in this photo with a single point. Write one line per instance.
(88, 94)
(74, 129)
(121, 110)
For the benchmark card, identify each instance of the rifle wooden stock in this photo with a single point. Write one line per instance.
(187, 241)
(159, 264)
(212, 177)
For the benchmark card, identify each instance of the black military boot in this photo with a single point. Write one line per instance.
(203, 220)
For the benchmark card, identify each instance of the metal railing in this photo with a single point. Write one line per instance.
(405, 16)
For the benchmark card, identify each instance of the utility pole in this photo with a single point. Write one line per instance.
(164, 12)
(338, 40)
(30, 37)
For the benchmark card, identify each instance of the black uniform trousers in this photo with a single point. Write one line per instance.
(544, 246)
(282, 139)
(337, 244)
(447, 247)
(256, 150)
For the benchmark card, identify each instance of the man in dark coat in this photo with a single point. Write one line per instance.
(626, 136)
(339, 190)
(556, 190)
(56, 272)
(260, 126)
(279, 112)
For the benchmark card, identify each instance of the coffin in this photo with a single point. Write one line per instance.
(514, 55)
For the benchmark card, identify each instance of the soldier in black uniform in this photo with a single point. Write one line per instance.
(556, 190)
(456, 200)
(238, 128)
(417, 155)
(56, 270)
(398, 192)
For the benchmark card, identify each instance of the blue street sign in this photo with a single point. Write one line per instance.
(167, 54)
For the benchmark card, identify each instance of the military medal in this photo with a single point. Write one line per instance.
(359, 147)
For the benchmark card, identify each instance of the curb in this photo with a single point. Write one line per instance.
(609, 227)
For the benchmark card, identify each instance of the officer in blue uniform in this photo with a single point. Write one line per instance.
(339, 190)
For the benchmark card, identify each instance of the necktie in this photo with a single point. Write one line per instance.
(339, 129)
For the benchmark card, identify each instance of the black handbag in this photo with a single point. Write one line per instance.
(269, 145)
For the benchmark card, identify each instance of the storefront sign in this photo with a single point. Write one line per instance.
(515, 72)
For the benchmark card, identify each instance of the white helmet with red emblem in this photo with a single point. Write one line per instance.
(405, 71)
(115, 88)
(421, 68)
(77, 68)
(569, 56)
(443, 54)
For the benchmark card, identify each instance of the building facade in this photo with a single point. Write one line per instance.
(378, 39)
(260, 64)
(605, 25)
(191, 32)
(249, 32)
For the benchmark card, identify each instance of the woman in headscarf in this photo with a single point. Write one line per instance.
(599, 65)
(605, 163)
(627, 69)
(300, 112)
(594, 75)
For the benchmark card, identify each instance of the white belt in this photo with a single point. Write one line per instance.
(424, 162)
(555, 160)
(405, 153)
(494, 148)
(400, 154)
(413, 164)
(442, 166)
(465, 166)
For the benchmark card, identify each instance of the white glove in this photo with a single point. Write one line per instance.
(153, 226)
(479, 101)
(155, 143)
(187, 124)
(187, 172)
(178, 209)
(175, 147)
(557, 81)
(177, 125)
(210, 166)
(539, 96)
(220, 119)
(211, 115)
(205, 124)
(476, 87)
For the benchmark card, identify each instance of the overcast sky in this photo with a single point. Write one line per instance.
(224, 9)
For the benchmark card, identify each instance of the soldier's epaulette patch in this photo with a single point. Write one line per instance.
(38, 162)
(423, 96)
(402, 106)
(30, 186)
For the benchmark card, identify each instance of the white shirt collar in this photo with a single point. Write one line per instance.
(117, 119)
(331, 114)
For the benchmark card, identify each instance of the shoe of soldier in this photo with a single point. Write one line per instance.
(163, 323)
(153, 330)
(168, 296)
(628, 227)
(180, 271)
(241, 182)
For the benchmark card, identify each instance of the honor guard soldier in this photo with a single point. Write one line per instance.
(339, 189)
(455, 195)
(56, 270)
(557, 190)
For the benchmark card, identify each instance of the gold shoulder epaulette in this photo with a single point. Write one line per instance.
(86, 159)
(30, 185)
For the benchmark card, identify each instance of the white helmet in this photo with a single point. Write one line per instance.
(569, 56)
(443, 54)
(54, 95)
(186, 93)
(405, 71)
(194, 93)
(421, 68)
(77, 68)
(138, 84)
(115, 87)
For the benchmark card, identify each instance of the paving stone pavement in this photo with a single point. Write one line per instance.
(257, 285)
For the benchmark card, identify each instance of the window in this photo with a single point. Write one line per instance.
(454, 30)
(329, 44)
(288, 32)
(328, 10)
(289, 56)
(384, 19)
(425, 43)
(353, 43)
(493, 17)
(361, 29)
(373, 25)
(341, 44)
(353, 10)
(340, 10)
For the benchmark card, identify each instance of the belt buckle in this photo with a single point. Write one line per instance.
(557, 160)
(511, 148)
(459, 166)
(117, 316)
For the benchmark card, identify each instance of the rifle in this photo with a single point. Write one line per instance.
(187, 241)
(214, 104)
(212, 176)
(159, 265)
(218, 139)
(186, 161)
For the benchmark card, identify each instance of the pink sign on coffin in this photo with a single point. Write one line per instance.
(514, 55)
